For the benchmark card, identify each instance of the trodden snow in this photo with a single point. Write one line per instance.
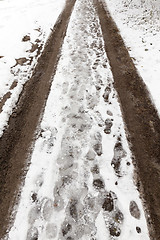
(80, 182)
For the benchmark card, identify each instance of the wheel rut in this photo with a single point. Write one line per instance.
(20, 134)
(140, 116)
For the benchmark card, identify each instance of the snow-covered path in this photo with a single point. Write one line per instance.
(80, 181)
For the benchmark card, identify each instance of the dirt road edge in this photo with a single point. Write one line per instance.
(139, 114)
(18, 137)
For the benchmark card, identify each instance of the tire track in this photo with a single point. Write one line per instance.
(19, 135)
(140, 116)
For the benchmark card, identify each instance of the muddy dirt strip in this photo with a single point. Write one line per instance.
(139, 114)
(22, 125)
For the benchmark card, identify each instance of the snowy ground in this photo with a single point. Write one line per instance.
(24, 28)
(80, 181)
(139, 24)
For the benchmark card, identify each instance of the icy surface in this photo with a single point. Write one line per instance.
(24, 28)
(139, 24)
(80, 181)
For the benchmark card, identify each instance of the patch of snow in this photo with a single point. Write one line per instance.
(139, 24)
(18, 56)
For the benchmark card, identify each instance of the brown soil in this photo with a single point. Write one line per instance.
(20, 134)
(140, 116)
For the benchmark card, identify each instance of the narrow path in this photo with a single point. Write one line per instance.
(81, 171)
(139, 114)
(17, 139)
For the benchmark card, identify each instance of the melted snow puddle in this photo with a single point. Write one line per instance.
(80, 182)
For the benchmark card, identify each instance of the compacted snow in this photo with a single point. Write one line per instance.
(139, 24)
(25, 26)
(80, 181)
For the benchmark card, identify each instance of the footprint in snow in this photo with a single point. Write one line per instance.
(109, 113)
(113, 217)
(97, 143)
(119, 153)
(47, 209)
(91, 155)
(98, 118)
(107, 93)
(66, 228)
(34, 214)
(51, 230)
(65, 87)
(95, 170)
(58, 203)
(32, 234)
(39, 180)
(98, 184)
(108, 125)
(49, 136)
(108, 204)
(134, 210)
(98, 148)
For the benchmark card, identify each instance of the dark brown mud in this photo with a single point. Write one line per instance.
(140, 116)
(20, 134)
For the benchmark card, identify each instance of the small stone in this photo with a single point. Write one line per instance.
(34, 197)
(37, 40)
(33, 48)
(21, 61)
(138, 229)
(109, 113)
(26, 38)
(98, 87)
